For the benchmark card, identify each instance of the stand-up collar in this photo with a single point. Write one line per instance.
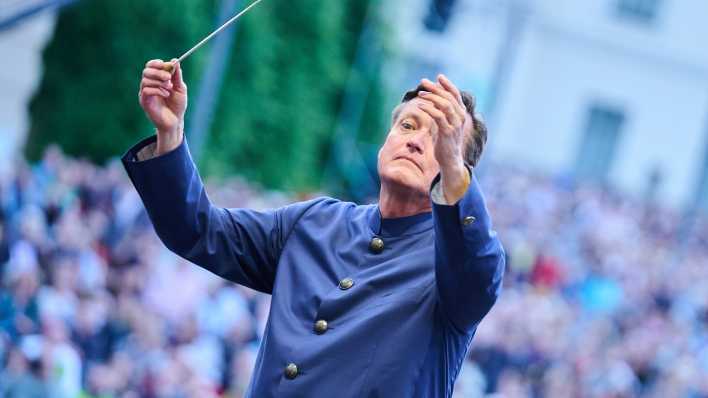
(398, 226)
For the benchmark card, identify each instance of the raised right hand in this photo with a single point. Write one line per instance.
(163, 97)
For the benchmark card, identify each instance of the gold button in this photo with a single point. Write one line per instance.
(376, 245)
(291, 371)
(346, 283)
(468, 220)
(320, 326)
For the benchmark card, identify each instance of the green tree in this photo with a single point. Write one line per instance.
(87, 98)
(277, 108)
(282, 97)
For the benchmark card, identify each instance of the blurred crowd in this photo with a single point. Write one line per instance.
(93, 305)
(605, 295)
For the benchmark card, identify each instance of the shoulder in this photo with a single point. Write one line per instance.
(326, 204)
(329, 209)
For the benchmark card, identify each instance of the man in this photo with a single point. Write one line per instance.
(367, 301)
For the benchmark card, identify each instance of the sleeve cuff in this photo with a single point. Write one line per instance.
(437, 195)
(145, 150)
(148, 152)
(436, 192)
(470, 213)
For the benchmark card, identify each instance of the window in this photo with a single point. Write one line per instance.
(599, 143)
(643, 11)
(439, 13)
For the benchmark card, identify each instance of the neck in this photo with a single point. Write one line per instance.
(395, 202)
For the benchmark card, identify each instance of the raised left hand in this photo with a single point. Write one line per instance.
(443, 102)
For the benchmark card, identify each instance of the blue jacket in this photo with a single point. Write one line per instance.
(351, 315)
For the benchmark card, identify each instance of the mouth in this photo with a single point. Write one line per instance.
(410, 160)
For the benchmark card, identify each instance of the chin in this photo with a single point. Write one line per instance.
(404, 178)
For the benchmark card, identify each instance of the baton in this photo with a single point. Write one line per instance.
(171, 65)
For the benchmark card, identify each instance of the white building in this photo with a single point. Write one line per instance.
(612, 90)
(21, 48)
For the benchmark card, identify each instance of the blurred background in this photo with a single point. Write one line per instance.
(596, 175)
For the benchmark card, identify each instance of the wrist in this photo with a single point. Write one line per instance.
(453, 170)
(168, 140)
(455, 180)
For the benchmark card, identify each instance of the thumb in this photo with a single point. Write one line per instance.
(177, 75)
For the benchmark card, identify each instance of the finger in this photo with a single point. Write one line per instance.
(157, 74)
(145, 82)
(437, 115)
(155, 63)
(449, 86)
(439, 90)
(444, 105)
(150, 91)
(177, 76)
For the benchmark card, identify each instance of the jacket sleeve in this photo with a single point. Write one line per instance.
(469, 259)
(240, 245)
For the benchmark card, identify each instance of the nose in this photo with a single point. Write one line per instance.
(415, 143)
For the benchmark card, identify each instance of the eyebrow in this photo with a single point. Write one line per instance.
(412, 115)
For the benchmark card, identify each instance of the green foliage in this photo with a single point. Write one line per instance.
(87, 99)
(281, 100)
(278, 106)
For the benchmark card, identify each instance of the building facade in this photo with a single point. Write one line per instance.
(21, 47)
(614, 91)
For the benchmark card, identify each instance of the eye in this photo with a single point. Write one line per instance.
(407, 125)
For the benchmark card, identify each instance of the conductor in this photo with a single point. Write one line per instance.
(367, 300)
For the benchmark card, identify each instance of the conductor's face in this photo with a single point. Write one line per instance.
(406, 159)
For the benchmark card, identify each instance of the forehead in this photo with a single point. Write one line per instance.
(410, 108)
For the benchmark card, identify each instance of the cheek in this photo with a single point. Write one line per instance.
(383, 155)
(383, 150)
(434, 167)
(389, 147)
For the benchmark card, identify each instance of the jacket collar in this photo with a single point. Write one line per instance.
(398, 226)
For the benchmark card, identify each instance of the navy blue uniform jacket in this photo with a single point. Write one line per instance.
(345, 320)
